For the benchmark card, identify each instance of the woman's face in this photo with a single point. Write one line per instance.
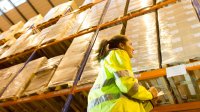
(128, 48)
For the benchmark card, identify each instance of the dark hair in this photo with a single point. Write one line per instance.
(106, 45)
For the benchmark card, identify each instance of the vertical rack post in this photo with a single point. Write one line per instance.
(86, 56)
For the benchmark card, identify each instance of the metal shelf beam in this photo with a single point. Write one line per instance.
(144, 76)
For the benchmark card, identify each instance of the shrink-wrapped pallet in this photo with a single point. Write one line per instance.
(7, 74)
(142, 32)
(179, 32)
(58, 10)
(42, 77)
(93, 16)
(32, 41)
(7, 45)
(139, 4)
(79, 19)
(9, 34)
(18, 85)
(92, 67)
(115, 10)
(58, 30)
(67, 69)
(16, 44)
(31, 22)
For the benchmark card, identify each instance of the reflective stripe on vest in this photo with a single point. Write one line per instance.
(125, 73)
(122, 73)
(107, 82)
(102, 99)
(134, 89)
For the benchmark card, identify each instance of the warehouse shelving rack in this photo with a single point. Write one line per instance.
(143, 76)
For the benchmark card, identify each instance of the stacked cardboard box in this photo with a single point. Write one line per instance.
(142, 31)
(42, 77)
(115, 10)
(92, 67)
(59, 10)
(7, 45)
(7, 74)
(66, 71)
(179, 32)
(18, 85)
(7, 38)
(93, 16)
(31, 22)
(30, 42)
(9, 34)
(15, 45)
(58, 30)
(139, 4)
(79, 19)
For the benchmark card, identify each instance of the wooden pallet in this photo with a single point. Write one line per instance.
(58, 87)
(48, 23)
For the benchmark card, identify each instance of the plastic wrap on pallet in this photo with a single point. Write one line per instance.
(6, 46)
(69, 65)
(79, 18)
(32, 21)
(32, 41)
(42, 77)
(142, 31)
(139, 4)
(20, 82)
(93, 16)
(7, 74)
(115, 6)
(9, 34)
(57, 11)
(92, 67)
(58, 30)
(179, 32)
(15, 45)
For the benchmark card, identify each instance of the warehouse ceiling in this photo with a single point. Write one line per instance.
(13, 11)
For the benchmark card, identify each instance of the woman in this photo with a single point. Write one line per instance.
(116, 89)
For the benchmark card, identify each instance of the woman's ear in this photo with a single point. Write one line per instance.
(121, 46)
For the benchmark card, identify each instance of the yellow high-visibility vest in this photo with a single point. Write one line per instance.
(116, 89)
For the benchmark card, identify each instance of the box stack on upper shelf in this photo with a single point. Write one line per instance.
(93, 16)
(34, 21)
(79, 19)
(142, 31)
(115, 10)
(10, 33)
(92, 67)
(8, 38)
(179, 32)
(25, 42)
(67, 69)
(55, 13)
(139, 4)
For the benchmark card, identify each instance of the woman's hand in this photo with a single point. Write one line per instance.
(154, 92)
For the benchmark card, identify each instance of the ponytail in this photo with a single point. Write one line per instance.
(111, 44)
(102, 51)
